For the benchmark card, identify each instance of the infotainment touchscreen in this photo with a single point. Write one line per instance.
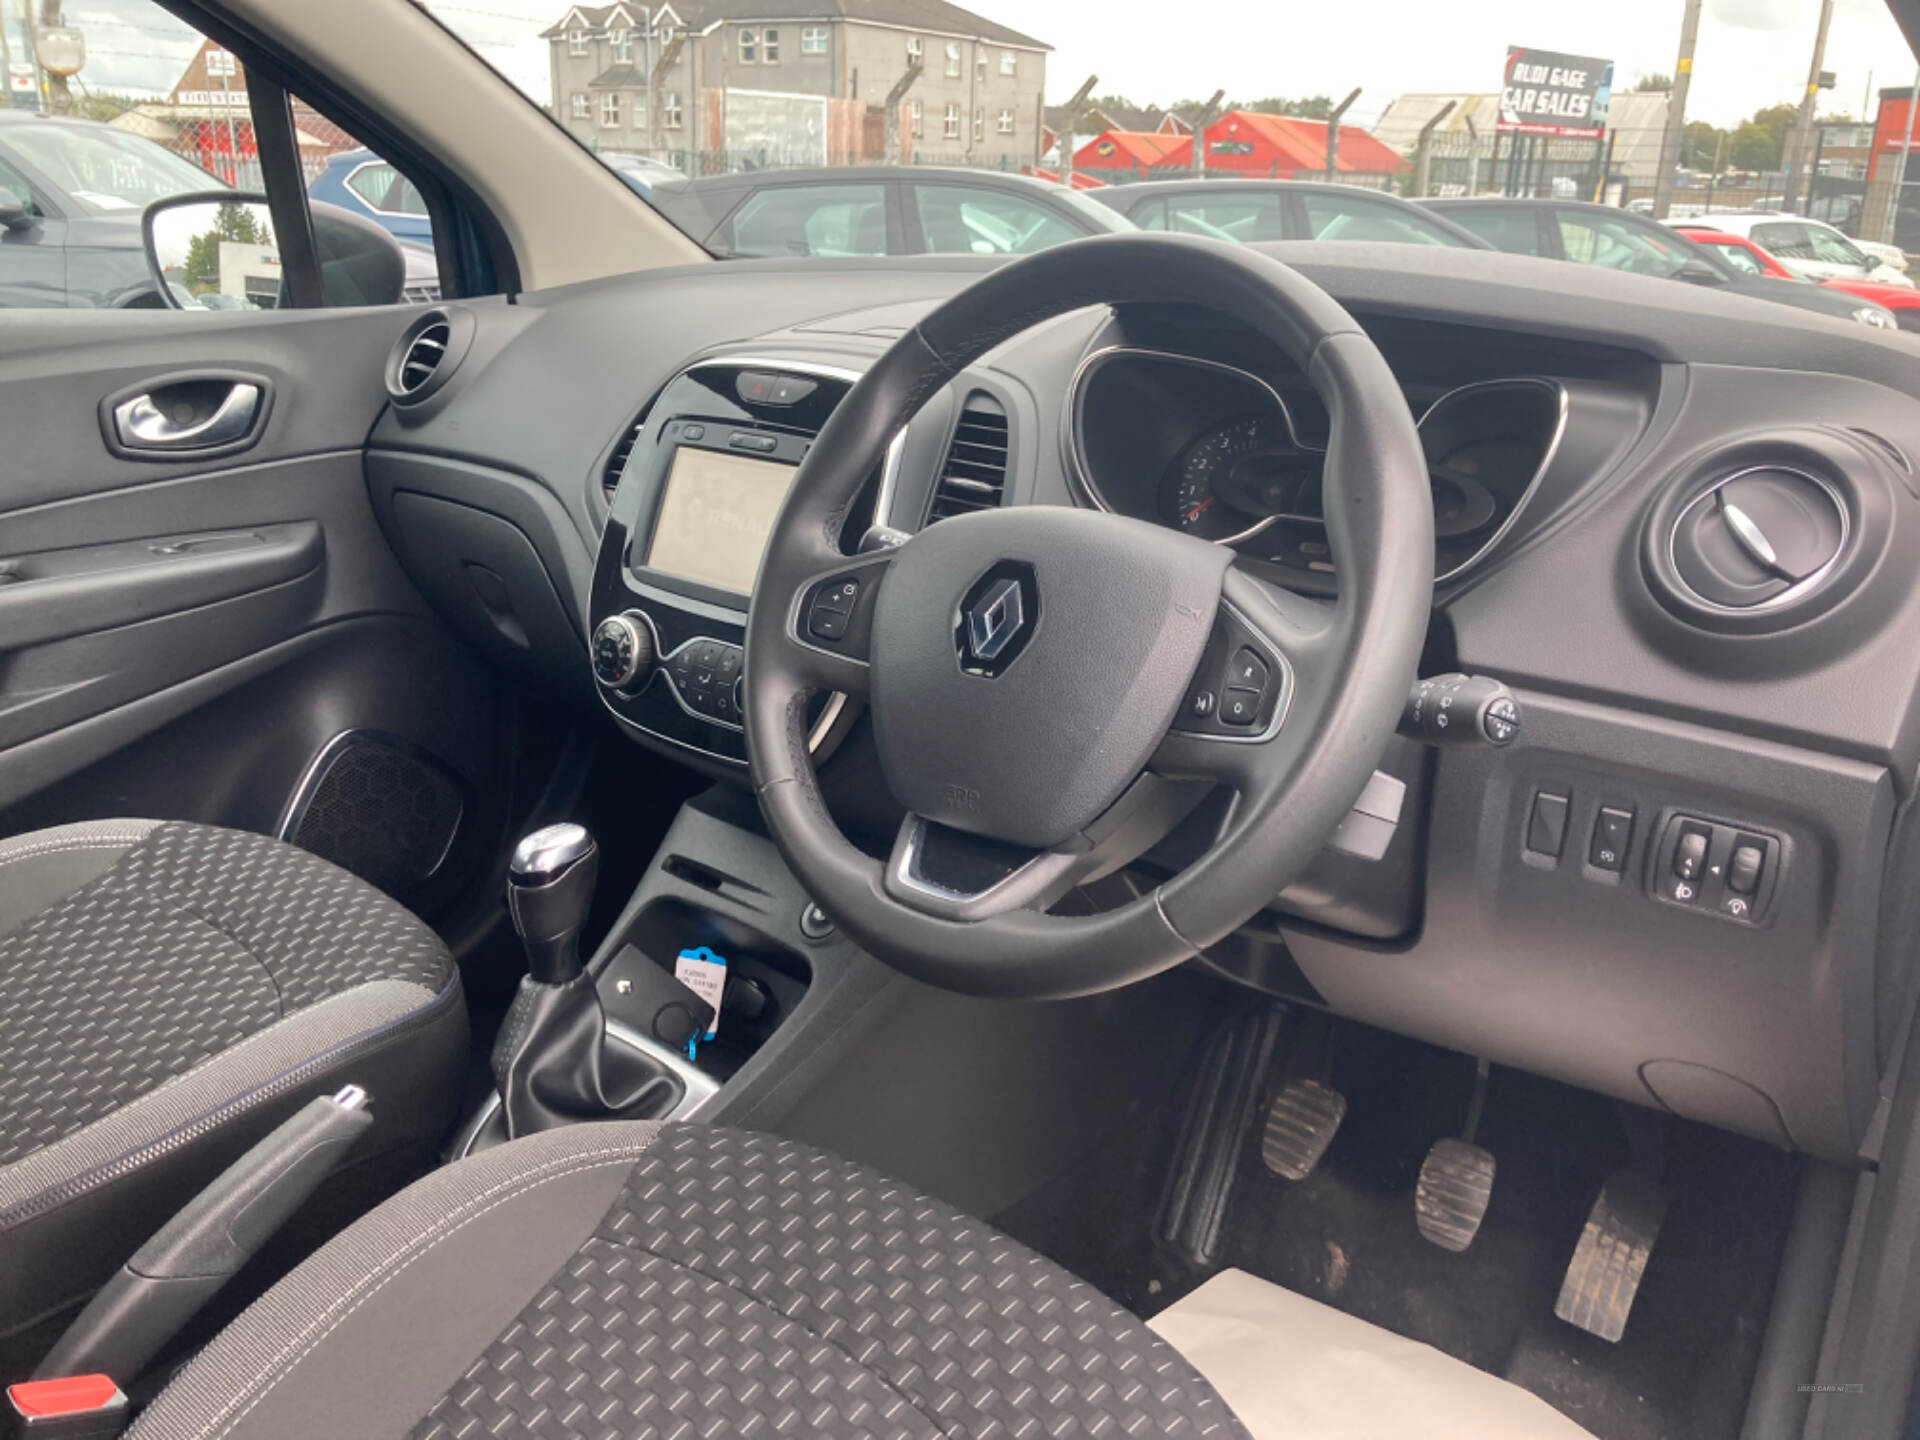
(715, 517)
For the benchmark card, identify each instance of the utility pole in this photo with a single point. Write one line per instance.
(1197, 149)
(6, 61)
(1333, 131)
(59, 97)
(894, 97)
(1676, 111)
(1070, 116)
(1423, 150)
(1801, 143)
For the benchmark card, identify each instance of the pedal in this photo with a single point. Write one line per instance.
(1612, 1253)
(1301, 1124)
(1450, 1199)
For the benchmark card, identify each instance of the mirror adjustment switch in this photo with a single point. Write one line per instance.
(1547, 824)
(1612, 833)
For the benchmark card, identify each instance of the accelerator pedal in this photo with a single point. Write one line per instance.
(1301, 1124)
(1612, 1253)
(1450, 1199)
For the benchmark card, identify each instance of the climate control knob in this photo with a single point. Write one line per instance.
(622, 650)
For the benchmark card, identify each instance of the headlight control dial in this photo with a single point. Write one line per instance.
(623, 650)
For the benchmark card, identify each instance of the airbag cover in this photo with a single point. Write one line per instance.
(1035, 753)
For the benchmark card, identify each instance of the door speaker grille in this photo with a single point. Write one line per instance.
(378, 807)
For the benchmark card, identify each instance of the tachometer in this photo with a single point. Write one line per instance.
(1208, 490)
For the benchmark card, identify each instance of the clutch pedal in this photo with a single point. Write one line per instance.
(1612, 1254)
(1301, 1124)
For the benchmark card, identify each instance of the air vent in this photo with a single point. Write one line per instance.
(1760, 538)
(430, 350)
(622, 452)
(975, 474)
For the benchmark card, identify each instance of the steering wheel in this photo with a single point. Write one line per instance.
(1036, 674)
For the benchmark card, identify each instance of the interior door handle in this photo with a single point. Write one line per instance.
(142, 424)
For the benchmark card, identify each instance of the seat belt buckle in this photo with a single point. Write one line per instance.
(74, 1407)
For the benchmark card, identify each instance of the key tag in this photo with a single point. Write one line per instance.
(705, 974)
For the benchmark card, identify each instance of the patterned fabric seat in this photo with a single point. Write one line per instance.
(168, 993)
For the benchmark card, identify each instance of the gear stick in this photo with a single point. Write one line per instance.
(551, 1061)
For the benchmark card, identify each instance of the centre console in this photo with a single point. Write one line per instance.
(710, 466)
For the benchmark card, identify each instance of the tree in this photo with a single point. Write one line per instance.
(1700, 145)
(1652, 84)
(1309, 107)
(231, 221)
(1760, 141)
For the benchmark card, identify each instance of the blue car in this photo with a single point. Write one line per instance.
(360, 181)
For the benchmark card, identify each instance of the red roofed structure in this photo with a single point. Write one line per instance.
(1241, 143)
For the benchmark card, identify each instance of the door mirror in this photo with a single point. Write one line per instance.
(1699, 272)
(218, 251)
(14, 214)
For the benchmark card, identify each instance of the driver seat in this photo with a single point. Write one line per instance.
(621, 1280)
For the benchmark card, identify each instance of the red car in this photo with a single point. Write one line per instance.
(1903, 300)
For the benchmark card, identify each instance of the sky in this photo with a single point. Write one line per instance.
(1751, 53)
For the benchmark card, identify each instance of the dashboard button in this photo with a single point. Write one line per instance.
(1743, 870)
(791, 390)
(1690, 855)
(1547, 824)
(693, 432)
(1612, 833)
(747, 440)
(1240, 707)
(755, 386)
(728, 664)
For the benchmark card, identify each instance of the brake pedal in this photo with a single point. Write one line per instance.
(1301, 1124)
(1451, 1197)
(1612, 1253)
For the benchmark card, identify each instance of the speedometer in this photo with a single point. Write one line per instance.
(1230, 482)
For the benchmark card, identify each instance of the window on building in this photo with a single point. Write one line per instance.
(665, 36)
(980, 62)
(953, 57)
(1005, 124)
(952, 130)
(770, 48)
(749, 47)
(919, 120)
(220, 64)
(671, 110)
(1009, 63)
(576, 42)
(979, 124)
(582, 105)
(610, 111)
(813, 40)
(916, 48)
(622, 42)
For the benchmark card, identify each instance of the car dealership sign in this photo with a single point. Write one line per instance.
(1547, 93)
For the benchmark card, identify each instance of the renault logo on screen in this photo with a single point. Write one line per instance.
(997, 618)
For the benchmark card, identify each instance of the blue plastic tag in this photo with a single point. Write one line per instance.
(705, 974)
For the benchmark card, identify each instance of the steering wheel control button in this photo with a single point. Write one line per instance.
(1202, 704)
(622, 650)
(1248, 671)
(1612, 834)
(825, 624)
(836, 612)
(1240, 707)
(1547, 824)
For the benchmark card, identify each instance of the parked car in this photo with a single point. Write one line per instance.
(880, 210)
(1280, 210)
(1808, 247)
(1743, 254)
(71, 193)
(642, 172)
(1620, 240)
(361, 181)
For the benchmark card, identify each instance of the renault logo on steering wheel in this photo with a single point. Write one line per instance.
(997, 618)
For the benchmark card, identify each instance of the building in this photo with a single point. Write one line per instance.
(738, 82)
(1126, 154)
(1469, 155)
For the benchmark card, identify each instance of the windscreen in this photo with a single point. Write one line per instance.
(715, 517)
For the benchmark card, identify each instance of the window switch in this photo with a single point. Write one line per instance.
(1612, 832)
(1547, 824)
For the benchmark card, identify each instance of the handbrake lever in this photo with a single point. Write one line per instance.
(153, 1296)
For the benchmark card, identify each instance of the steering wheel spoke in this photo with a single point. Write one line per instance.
(829, 628)
(953, 875)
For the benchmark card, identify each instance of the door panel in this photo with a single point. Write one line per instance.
(186, 637)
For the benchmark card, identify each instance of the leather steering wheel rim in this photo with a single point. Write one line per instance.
(1350, 662)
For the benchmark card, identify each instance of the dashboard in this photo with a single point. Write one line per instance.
(585, 489)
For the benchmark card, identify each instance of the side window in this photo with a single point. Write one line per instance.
(1617, 245)
(1788, 239)
(1336, 217)
(1150, 216)
(971, 220)
(1514, 231)
(15, 184)
(809, 220)
(1244, 218)
(1833, 248)
(1740, 258)
(189, 131)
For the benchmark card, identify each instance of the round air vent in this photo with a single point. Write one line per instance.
(429, 350)
(1759, 539)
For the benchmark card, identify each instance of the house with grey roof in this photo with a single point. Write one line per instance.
(758, 78)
